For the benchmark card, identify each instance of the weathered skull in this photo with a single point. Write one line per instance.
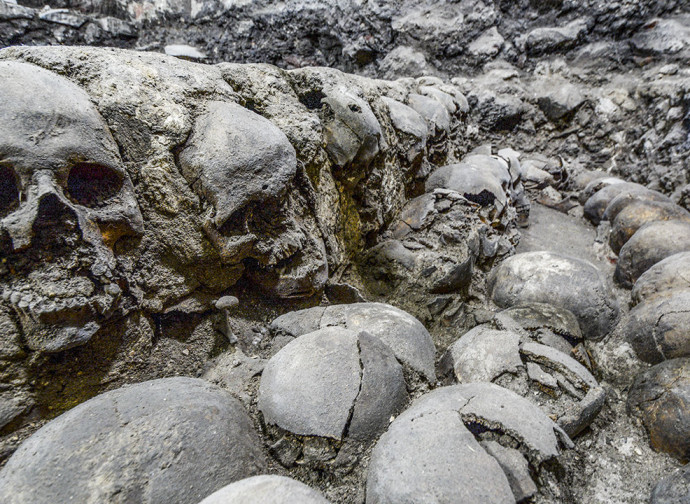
(244, 165)
(517, 188)
(474, 182)
(65, 199)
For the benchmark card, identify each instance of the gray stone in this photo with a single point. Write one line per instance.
(118, 27)
(10, 10)
(488, 405)
(596, 205)
(659, 397)
(563, 281)
(436, 115)
(266, 489)
(483, 354)
(559, 100)
(651, 243)
(637, 214)
(626, 198)
(433, 455)
(542, 40)
(666, 275)
(497, 112)
(657, 328)
(168, 440)
(404, 61)
(332, 383)
(428, 21)
(663, 36)
(515, 467)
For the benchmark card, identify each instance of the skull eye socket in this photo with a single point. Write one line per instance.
(92, 185)
(9, 192)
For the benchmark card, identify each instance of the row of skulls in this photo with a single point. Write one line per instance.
(491, 180)
(66, 199)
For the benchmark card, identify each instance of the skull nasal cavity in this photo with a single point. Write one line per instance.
(52, 212)
(92, 185)
(9, 193)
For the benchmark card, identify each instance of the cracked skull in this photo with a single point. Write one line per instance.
(65, 199)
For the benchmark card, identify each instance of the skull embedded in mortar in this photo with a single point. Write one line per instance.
(65, 199)
(244, 167)
(516, 189)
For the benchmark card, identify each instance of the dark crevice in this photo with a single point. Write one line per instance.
(346, 431)
(312, 99)
(484, 198)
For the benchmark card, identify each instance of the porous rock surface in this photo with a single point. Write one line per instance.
(673, 489)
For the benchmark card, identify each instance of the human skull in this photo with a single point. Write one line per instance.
(516, 189)
(475, 182)
(243, 165)
(65, 199)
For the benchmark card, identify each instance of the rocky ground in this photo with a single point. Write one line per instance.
(457, 273)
